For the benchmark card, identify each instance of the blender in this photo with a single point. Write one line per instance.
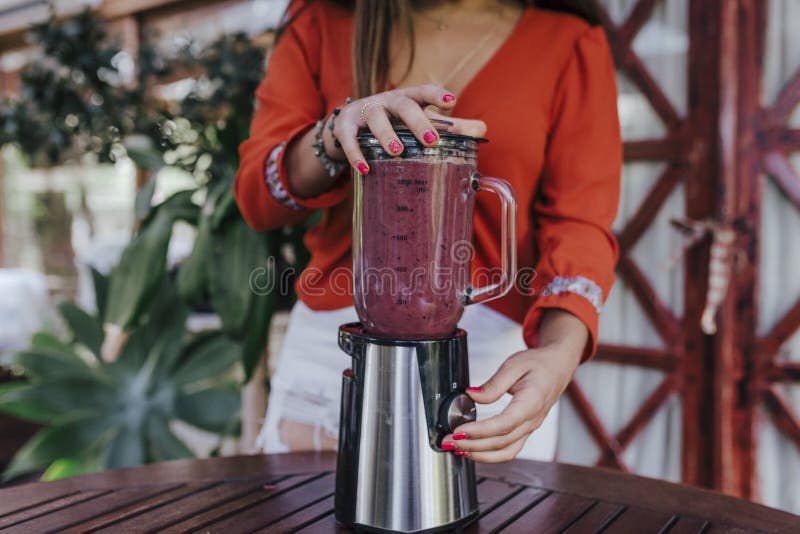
(405, 390)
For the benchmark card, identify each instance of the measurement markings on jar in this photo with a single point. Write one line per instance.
(402, 209)
(400, 237)
(421, 185)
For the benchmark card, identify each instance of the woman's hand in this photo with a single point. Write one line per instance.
(406, 104)
(308, 178)
(536, 378)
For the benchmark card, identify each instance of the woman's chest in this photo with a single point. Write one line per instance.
(512, 94)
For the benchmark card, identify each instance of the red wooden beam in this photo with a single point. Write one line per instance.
(735, 397)
(647, 411)
(665, 322)
(769, 345)
(653, 149)
(626, 59)
(641, 220)
(781, 139)
(782, 371)
(610, 449)
(786, 101)
(778, 167)
(638, 17)
(638, 356)
(639, 75)
(605, 20)
(782, 414)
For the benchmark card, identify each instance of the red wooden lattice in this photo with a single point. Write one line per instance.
(753, 372)
(718, 150)
(688, 154)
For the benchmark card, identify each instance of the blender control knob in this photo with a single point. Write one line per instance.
(456, 410)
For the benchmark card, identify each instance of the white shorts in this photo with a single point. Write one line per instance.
(306, 385)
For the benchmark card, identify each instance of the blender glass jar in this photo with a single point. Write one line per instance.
(412, 235)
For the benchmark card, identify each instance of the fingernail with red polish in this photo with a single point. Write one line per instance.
(461, 453)
(448, 446)
(395, 146)
(430, 136)
(362, 167)
(474, 389)
(460, 435)
(447, 97)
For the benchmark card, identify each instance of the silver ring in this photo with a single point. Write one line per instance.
(366, 106)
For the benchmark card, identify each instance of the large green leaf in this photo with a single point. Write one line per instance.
(192, 279)
(100, 282)
(224, 208)
(63, 396)
(237, 252)
(50, 365)
(70, 438)
(138, 274)
(206, 357)
(163, 444)
(65, 468)
(209, 409)
(27, 410)
(164, 326)
(47, 342)
(256, 332)
(142, 266)
(144, 196)
(127, 449)
(86, 330)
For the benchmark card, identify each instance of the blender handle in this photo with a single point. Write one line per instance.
(508, 243)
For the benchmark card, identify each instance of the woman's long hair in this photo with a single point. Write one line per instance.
(375, 20)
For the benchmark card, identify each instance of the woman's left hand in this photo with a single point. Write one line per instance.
(536, 378)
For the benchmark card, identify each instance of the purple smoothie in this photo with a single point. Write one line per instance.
(412, 246)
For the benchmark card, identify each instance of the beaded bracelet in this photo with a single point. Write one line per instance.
(332, 167)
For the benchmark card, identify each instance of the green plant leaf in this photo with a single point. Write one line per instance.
(65, 468)
(100, 282)
(47, 342)
(207, 356)
(163, 443)
(138, 274)
(143, 153)
(237, 252)
(164, 326)
(127, 449)
(256, 335)
(50, 365)
(224, 207)
(86, 330)
(143, 264)
(209, 409)
(192, 278)
(144, 196)
(66, 439)
(27, 410)
(66, 395)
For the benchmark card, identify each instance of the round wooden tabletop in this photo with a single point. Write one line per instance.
(294, 493)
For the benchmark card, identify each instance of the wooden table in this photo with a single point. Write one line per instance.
(294, 493)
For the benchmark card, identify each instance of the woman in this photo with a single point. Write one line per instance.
(540, 85)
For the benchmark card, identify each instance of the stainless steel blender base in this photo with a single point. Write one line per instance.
(400, 399)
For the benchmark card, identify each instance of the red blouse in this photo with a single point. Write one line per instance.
(548, 96)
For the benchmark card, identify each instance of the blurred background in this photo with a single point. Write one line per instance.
(129, 332)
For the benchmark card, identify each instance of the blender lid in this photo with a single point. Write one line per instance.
(405, 134)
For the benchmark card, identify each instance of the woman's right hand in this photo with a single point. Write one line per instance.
(406, 104)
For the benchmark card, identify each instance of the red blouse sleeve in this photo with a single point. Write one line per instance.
(289, 103)
(579, 191)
